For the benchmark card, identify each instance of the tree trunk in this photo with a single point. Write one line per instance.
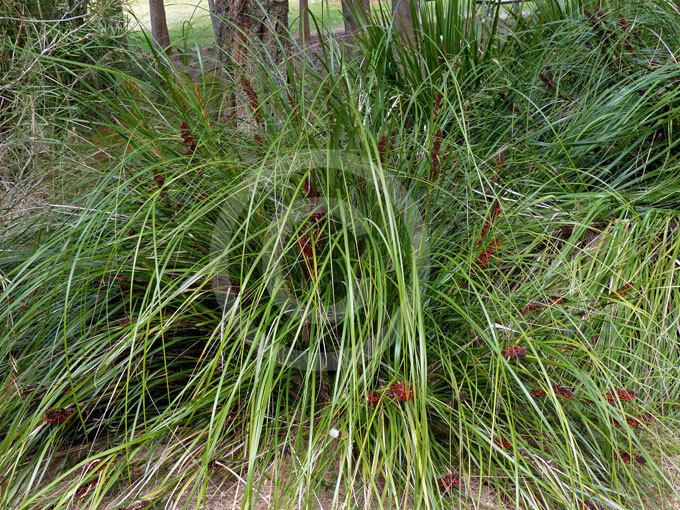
(304, 21)
(214, 19)
(354, 12)
(401, 16)
(247, 28)
(159, 25)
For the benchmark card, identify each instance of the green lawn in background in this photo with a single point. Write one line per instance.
(189, 22)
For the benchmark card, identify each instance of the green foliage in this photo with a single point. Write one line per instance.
(417, 261)
(50, 52)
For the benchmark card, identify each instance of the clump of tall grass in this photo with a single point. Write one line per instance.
(396, 294)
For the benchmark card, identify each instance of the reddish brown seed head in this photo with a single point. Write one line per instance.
(502, 443)
(373, 398)
(382, 148)
(305, 245)
(495, 212)
(538, 393)
(310, 192)
(621, 292)
(563, 392)
(486, 255)
(635, 423)
(434, 155)
(624, 395)
(291, 101)
(187, 138)
(57, 416)
(636, 458)
(627, 395)
(84, 490)
(401, 391)
(448, 482)
(646, 417)
(318, 215)
(159, 178)
(500, 164)
(548, 81)
(437, 104)
(514, 352)
(533, 306)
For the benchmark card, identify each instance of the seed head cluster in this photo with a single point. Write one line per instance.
(448, 482)
(514, 352)
(57, 416)
(188, 139)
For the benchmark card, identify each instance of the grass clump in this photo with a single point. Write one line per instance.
(402, 285)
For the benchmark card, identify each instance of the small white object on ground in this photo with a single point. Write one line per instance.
(335, 433)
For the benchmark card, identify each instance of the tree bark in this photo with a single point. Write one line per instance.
(354, 13)
(304, 21)
(159, 24)
(213, 18)
(246, 29)
(402, 20)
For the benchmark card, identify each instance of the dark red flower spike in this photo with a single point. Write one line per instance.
(434, 155)
(188, 139)
(448, 482)
(637, 458)
(502, 443)
(437, 104)
(635, 423)
(495, 212)
(484, 257)
(560, 391)
(401, 391)
(57, 416)
(500, 163)
(318, 215)
(382, 148)
(84, 490)
(621, 292)
(563, 392)
(305, 245)
(310, 192)
(533, 306)
(646, 418)
(373, 398)
(623, 395)
(514, 352)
